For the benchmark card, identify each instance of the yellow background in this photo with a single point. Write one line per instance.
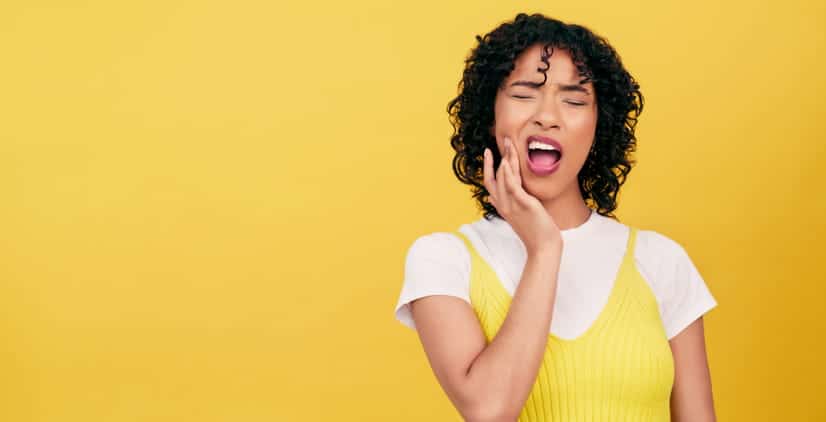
(206, 205)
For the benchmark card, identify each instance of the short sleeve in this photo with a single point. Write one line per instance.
(436, 264)
(681, 289)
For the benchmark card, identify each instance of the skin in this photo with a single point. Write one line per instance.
(491, 381)
(691, 395)
(570, 117)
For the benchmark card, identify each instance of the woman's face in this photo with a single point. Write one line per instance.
(561, 110)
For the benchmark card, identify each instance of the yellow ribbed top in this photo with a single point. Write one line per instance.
(620, 369)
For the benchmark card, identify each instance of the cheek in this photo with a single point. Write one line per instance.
(510, 114)
(581, 120)
(507, 121)
(583, 124)
(582, 129)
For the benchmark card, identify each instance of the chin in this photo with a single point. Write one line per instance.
(545, 190)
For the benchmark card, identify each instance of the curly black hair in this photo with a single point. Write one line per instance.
(619, 104)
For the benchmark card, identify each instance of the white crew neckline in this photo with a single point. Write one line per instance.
(567, 234)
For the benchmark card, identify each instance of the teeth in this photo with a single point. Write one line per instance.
(540, 145)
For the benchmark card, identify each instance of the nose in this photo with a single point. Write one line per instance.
(547, 114)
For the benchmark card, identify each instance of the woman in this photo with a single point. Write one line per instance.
(548, 308)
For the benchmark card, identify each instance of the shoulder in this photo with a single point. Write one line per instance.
(651, 247)
(449, 246)
(662, 260)
(681, 290)
(436, 263)
(434, 247)
(655, 248)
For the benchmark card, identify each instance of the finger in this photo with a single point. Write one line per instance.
(509, 171)
(489, 182)
(514, 178)
(519, 191)
(511, 182)
(516, 164)
(507, 178)
(501, 193)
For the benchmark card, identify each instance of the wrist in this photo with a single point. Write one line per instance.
(546, 250)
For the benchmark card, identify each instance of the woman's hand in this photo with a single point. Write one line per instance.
(523, 211)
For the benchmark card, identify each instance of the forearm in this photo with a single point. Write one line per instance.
(505, 371)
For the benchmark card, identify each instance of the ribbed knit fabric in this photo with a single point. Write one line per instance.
(620, 369)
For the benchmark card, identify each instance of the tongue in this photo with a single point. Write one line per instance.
(543, 158)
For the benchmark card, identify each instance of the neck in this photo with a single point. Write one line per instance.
(568, 210)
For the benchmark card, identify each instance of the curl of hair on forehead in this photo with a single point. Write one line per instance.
(576, 57)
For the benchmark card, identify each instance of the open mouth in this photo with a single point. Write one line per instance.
(543, 157)
(544, 153)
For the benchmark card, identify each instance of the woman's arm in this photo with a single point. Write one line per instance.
(491, 382)
(691, 397)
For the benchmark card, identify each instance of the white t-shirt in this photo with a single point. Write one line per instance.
(439, 264)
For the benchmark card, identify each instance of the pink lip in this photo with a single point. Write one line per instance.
(541, 170)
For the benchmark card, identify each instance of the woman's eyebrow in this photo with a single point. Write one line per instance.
(562, 87)
(526, 83)
(574, 87)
